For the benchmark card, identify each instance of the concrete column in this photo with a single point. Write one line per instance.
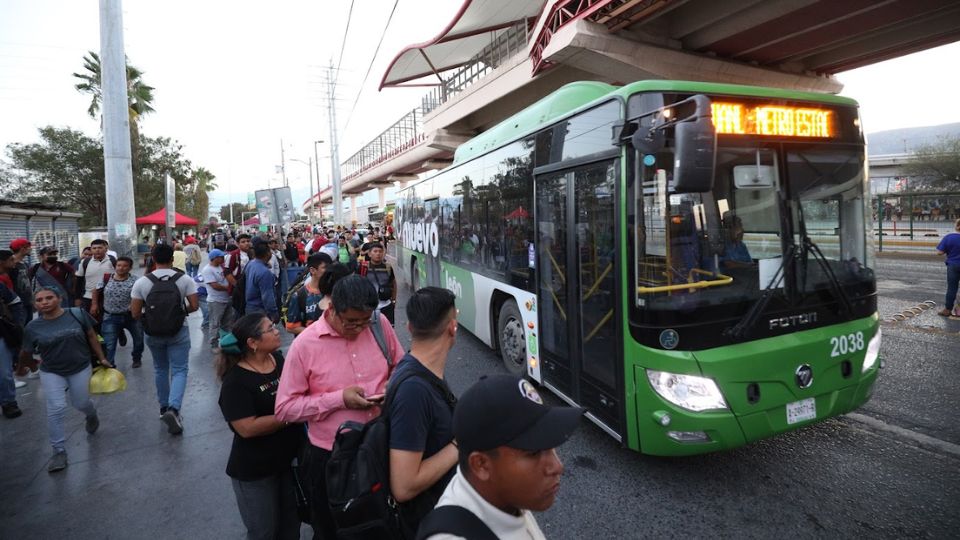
(118, 172)
(381, 198)
(353, 209)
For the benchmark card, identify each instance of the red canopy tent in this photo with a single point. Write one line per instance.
(519, 213)
(255, 220)
(160, 218)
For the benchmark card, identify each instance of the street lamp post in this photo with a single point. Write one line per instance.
(316, 162)
(309, 164)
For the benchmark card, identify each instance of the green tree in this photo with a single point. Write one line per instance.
(139, 96)
(238, 210)
(936, 165)
(64, 168)
(202, 183)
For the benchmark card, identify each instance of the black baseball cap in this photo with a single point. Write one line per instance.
(503, 410)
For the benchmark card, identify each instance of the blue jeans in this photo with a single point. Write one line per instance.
(192, 269)
(953, 283)
(171, 356)
(8, 391)
(111, 327)
(55, 389)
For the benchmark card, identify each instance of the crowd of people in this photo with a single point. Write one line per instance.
(484, 461)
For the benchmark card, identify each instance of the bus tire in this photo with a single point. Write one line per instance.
(511, 338)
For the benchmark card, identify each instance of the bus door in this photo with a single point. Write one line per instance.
(577, 288)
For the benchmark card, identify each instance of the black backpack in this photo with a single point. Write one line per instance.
(163, 312)
(238, 296)
(455, 520)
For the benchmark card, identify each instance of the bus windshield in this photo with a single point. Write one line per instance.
(723, 248)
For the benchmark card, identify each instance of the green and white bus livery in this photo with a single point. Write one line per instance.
(688, 261)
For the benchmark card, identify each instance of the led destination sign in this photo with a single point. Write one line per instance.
(773, 120)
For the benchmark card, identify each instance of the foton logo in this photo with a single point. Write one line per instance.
(793, 320)
(422, 237)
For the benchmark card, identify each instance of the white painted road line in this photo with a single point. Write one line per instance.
(924, 441)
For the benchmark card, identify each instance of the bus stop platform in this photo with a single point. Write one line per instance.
(131, 479)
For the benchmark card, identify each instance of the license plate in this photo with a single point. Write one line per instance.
(799, 411)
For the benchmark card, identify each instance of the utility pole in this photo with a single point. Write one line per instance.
(334, 151)
(283, 165)
(118, 177)
(316, 163)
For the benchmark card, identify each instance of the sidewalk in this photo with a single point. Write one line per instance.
(131, 479)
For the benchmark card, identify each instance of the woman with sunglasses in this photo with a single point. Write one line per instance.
(263, 447)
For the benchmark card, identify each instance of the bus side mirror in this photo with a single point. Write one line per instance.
(695, 155)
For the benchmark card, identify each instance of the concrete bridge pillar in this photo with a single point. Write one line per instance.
(353, 209)
(381, 198)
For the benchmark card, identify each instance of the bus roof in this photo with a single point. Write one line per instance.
(580, 95)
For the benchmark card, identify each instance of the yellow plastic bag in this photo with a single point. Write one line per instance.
(107, 381)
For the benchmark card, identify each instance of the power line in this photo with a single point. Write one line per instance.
(370, 66)
(344, 44)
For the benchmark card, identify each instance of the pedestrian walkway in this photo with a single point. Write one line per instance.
(131, 479)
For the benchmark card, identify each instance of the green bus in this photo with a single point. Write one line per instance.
(690, 262)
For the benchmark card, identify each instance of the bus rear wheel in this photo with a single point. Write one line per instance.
(513, 350)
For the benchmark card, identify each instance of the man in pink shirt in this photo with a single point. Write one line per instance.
(335, 372)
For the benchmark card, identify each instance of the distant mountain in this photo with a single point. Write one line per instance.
(892, 141)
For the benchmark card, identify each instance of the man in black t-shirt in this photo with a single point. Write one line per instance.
(380, 275)
(423, 454)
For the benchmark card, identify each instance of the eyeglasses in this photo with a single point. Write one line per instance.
(354, 323)
(272, 328)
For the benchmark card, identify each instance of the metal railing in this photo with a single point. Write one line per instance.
(914, 217)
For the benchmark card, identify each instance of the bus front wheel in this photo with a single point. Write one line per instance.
(513, 348)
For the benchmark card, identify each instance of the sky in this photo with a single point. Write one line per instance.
(233, 79)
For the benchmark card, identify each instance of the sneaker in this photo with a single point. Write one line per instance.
(137, 363)
(34, 374)
(93, 422)
(11, 410)
(944, 312)
(173, 421)
(163, 411)
(58, 462)
(17, 383)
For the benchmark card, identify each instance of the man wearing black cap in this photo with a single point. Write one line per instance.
(509, 465)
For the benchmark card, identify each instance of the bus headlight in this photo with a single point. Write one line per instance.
(873, 352)
(688, 391)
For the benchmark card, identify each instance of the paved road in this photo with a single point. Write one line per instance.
(840, 478)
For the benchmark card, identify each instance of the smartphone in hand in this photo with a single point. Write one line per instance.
(376, 398)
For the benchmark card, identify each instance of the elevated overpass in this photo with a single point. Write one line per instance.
(498, 56)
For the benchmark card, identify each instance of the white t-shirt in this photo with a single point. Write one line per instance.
(214, 274)
(506, 526)
(94, 274)
(186, 285)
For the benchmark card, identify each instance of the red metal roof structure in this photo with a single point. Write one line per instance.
(476, 23)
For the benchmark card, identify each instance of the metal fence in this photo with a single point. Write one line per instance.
(914, 221)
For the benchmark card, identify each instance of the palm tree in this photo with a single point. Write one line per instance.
(203, 184)
(139, 96)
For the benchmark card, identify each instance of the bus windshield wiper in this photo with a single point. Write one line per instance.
(809, 246)
(746, 323)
